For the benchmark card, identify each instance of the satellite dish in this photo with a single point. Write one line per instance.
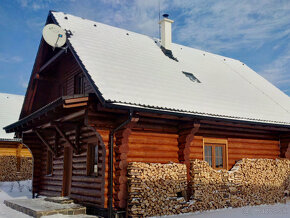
(54, 35)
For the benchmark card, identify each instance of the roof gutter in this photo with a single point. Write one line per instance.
(112, 133)
(198, 116)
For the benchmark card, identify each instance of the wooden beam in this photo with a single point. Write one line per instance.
(66, 118)
(44, 141)
(186, 136)
(285, 146)
(62, 134)
(76, 100)
(51, 60)
(75, 105)
(121, 150)
(246, 126)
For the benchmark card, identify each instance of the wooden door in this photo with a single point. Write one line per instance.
(67, 171)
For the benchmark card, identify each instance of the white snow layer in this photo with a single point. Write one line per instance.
(13, 190)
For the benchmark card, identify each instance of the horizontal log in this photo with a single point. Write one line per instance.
(253, 152)
(79, 166)
(238, 145)
(86, 192)
(51, 182)
(152, 159)
(153, 135)
(241, 156)
(54, 177)
(218, 123)
(210, 133)
(87, 179)
(87, 185)
(148, 153)
(152, 148)
(152, 140)
(259, 141)
(85, 199)
(79, 160)
(51, 188)
(49, 193)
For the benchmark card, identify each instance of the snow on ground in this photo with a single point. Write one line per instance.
(22, 190)
(263, 211)
(13, 190)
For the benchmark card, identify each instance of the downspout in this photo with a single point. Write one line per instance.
(112, 132)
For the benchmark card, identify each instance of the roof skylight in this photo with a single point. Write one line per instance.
(191, 77)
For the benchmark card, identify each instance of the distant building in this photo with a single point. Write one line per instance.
(10, 107)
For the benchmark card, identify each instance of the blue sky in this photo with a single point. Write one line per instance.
(257, 32)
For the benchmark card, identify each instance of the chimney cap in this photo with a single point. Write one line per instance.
(165, 15)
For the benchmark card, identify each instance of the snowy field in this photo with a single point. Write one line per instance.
(13, 190)
(22, 190)
(263, 211)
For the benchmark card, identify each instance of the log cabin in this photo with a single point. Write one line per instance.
(113, 96)
(10, 107)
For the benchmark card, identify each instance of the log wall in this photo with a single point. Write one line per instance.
(51, 185)
(151, 147)
(239, 148)
(59, 81)
(251, 148)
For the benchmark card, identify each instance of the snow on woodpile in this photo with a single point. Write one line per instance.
(9, 171)
(154, 188)
(250, 182)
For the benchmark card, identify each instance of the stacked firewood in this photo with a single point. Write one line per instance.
(156, 189)
(209, 187)
(8, 168)
(250, 182)
(264, 181)
(25, 168)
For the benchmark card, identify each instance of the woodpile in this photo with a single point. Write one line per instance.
(209, 187)
(8, 168)
(250, 182)
(156, 189)
(160, 189)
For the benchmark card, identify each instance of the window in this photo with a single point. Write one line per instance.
(191, 77)
(49, 162)
(92, 161)
(215, 153)
(79, 87)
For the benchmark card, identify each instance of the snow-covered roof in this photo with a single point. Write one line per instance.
(10, 107)
(130, 69)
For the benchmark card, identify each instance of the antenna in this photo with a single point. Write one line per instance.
(54, 35)
(159, 21)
